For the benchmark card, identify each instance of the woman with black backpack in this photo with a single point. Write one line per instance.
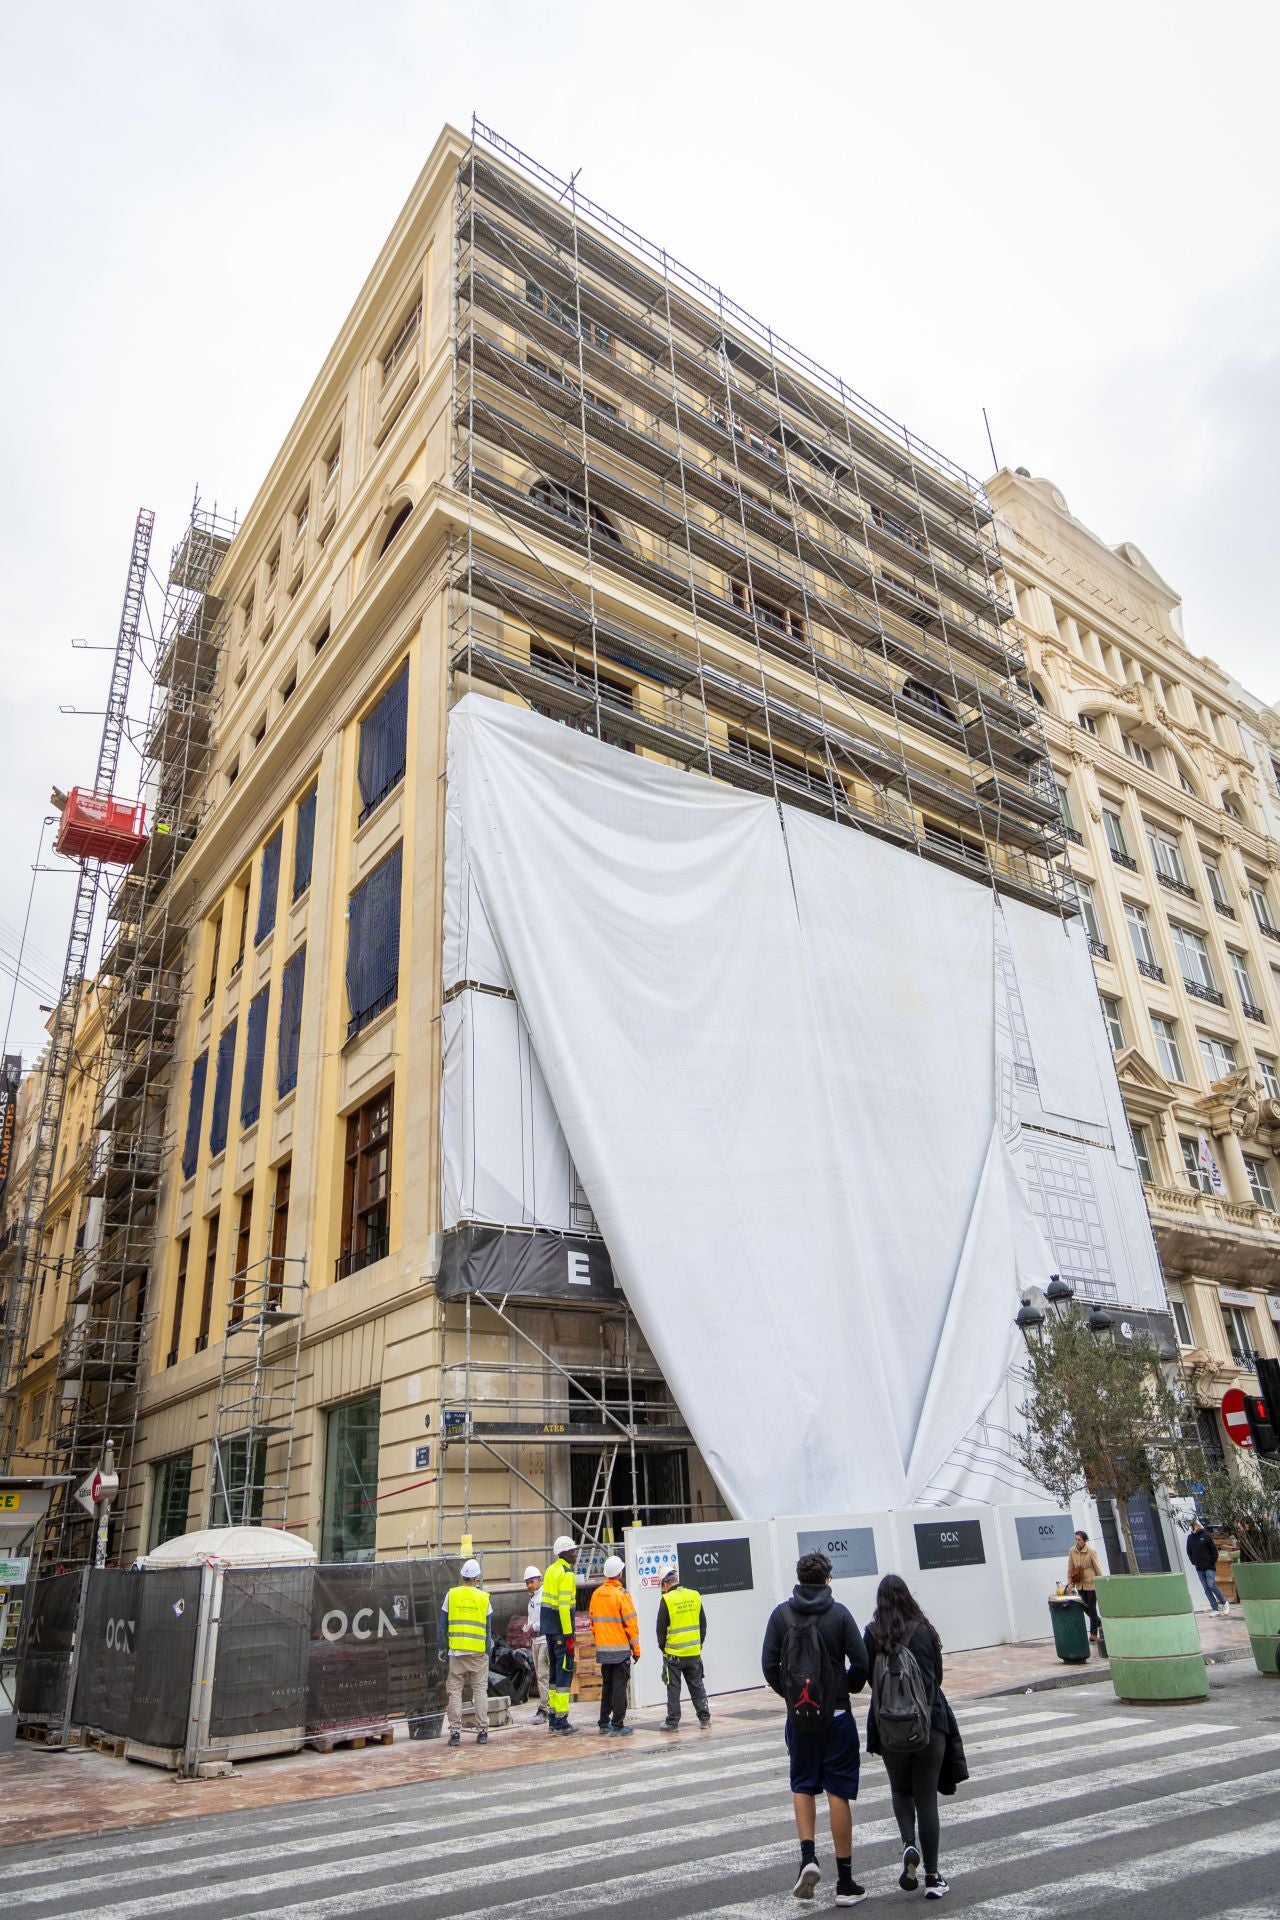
(909, 1725)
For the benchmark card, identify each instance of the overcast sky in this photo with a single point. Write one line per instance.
(1068, 215)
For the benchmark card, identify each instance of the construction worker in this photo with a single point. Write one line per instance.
(681, 1631)
(537, 1639)
(559, 1600)
(466, 1629)
(616, 1632)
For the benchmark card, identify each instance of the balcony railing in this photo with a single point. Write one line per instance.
(1251, 1012)
(1150, 970)
(1175, 886)
(1074, 834)
(1124, 860)
(1099, 950)
(375, 1248)
(1272, 933)
(1228, 913)
(1199, 991)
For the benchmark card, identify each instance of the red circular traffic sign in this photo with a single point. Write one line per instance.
(1234, 1417)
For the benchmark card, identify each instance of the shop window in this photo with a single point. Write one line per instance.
(170, 1497)
(349, 1524)
(239, 1474)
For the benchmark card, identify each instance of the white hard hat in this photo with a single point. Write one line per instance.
(613, 1565)
(533, 1573)
(471, 1569)
(564, 1544)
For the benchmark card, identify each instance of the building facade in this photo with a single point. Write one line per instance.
(1168, 776)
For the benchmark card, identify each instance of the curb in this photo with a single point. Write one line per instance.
(1052, 1682)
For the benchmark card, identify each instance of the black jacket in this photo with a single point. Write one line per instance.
(840, 1635)
(1202, 1550)
(928, 1657)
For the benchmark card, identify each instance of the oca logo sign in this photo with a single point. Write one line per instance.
(716, 1566)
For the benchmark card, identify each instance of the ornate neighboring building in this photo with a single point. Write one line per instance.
(1169, 782)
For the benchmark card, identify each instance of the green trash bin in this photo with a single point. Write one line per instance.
(1070, 1629)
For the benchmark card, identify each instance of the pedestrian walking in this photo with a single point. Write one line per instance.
(1202, 1552)
(681, 1633)
(815, 1657)
(1083, 1568)
(466, 1628)
(616, 1633)
(908, 1725)
(537, 1639)
(559, 1604)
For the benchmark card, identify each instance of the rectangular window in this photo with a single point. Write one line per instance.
(1267, 1068)
(242, 903)
(402, 340)
(246, 615)
(1261, 906)
(279, 1233)
(170, 1496)
(1064, 808)
(373, 943)
(769, 613)
(349, 1525)
(366, 1191)
(1166, 855)
(1199, 1164)
(304, 842)
(1242, 977)
(270, 890)
(564, 313)
(383, 744)
(1115, 1026)
(213, 960)
(1167, 1048)
(287, 1041)
(1260, 1182)
(301, 515)
(239, 1482)
(195, 1115)
(210, 1275)
(1181, 1321)
(240, 1265)
(1241, 1335)
(1142, 1153)
(273, 568)
(1218, 889)
(1136, 751)
(1219, 1056)
(179, 1301)
(1088, 722)
(255, 1050)
(222, 1090)
(1113, 827)
(1140, 938)
(1193, 958)
(1089, 915)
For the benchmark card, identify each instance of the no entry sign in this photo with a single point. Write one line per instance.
(1234, 1417)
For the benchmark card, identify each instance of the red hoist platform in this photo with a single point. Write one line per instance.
(97, 826)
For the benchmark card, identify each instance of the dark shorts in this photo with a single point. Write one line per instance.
(828, 1763)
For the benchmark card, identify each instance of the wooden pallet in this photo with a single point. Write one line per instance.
(108, 1743)
(356, 1742)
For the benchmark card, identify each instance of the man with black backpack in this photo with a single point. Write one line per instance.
(815, 1658)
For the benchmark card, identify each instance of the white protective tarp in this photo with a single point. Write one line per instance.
(770, 1046)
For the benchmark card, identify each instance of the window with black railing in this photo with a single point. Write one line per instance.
(366, 1189)
(289, 1038)
(373, 943)
(383, 745)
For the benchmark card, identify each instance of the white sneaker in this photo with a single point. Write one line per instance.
(1226, 1607)
(807, 1879)
(936, 1888)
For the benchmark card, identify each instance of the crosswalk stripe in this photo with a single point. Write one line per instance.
(1136, 1876)
(1039, 1737)
(562, 1861)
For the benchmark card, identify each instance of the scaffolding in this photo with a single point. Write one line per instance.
(143, 978)
(257, 1394)
(686, 537)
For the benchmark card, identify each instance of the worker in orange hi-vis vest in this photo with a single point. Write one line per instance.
(616, 1633)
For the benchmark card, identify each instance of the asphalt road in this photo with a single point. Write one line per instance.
(1077, 1806)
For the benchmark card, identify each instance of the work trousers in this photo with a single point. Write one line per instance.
(614, 1676)
(1212, 1591)
(541, 1670)
(559, 1675)
(913, 1785)
(471, 1669)
(691, 1668)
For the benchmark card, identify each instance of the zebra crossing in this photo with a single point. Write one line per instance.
(1078, 1806)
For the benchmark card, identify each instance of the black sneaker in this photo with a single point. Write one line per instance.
(848, 1893)
(704, 1719)
(603, 1727)
(455, 1738)
(482, 1738)
(669, 1726)
(909, 1879)
(807, 1879)
(935, 1886)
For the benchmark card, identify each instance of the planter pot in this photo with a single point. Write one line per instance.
(1152, 1638)
(1258, 1585)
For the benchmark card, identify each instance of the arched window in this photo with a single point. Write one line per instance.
(570, 505)
(397, 522)
(929, 698)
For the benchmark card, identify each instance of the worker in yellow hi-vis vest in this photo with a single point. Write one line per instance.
(680, 1633)
(559, 1601)
(466, 1631)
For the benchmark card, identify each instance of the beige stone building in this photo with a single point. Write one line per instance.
(1169, 775)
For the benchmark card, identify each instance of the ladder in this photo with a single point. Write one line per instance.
(592, 1553)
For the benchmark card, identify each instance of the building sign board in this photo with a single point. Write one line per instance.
(716, 1566)
(1044, 1536)
(653, 1560)
(851, 1550)
(13, 1573)
(949, 1543)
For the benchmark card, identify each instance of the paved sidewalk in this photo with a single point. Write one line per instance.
(47, 1794)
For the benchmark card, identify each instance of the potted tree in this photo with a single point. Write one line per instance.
(1102, 1419)
(1247, 1505)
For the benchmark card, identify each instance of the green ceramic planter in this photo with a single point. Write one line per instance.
(1258, 1585)
(1153, 1642)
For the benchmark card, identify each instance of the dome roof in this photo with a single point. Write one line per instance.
(233, 1547)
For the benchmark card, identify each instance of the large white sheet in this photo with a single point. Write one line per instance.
(770, 1044)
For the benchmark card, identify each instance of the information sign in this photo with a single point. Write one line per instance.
(716, 1566)
(949, 1543)
(851, 1550)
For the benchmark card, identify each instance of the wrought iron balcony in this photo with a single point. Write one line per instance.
(1099, 950)
(1175, 886)
(1199, 991)
(1272, 933)
(1124, 860)
(1074, 834)
(1253, 1013)
(1150, 970)
(1228, 913)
